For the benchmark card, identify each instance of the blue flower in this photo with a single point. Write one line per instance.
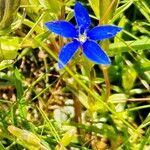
(82, 37)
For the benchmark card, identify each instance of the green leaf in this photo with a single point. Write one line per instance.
(144, 9)
(135, 45)
(8, 10)
(122, 23)
(66, 140)
(8, 47)
(20, 91)
(120, 10)
(27, 139)
(2, 147)
(128, 78)
(32, 8)
(145, 140)
(95, 6)
(69, 16)
(107, 9)
(117, 98)
(53, 5)
(81, 96)
(5, 64)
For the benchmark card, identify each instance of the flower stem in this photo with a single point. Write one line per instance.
(77, 117)
(107, 82)
(106, 11)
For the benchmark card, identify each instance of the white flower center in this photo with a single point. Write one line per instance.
(82, 38)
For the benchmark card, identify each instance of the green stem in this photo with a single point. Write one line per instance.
(32, 29)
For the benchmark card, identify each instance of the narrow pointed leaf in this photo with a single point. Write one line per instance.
(94, 52)
(62, 28)
(95, 6)
(82, 16)
(103, 32)
(67, 52)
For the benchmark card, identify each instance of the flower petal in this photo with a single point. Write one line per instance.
(103, 32)
(67, 53)
(94, 52)
(62, 28)
(82, 16)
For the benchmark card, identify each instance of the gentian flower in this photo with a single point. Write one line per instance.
(82, 37)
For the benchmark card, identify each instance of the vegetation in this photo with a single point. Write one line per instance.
(83, 106)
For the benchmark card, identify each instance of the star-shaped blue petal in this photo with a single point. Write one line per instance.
(62, 28)
(94, 52)
(82, 37)
(67, 53)
(103, 32)
(81, 15)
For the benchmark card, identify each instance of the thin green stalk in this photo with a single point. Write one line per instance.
(41, 77)
(40, 93)
(33, 28)
(53, 130)
(138, 108)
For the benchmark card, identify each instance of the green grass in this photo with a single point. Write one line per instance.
(84, 106)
